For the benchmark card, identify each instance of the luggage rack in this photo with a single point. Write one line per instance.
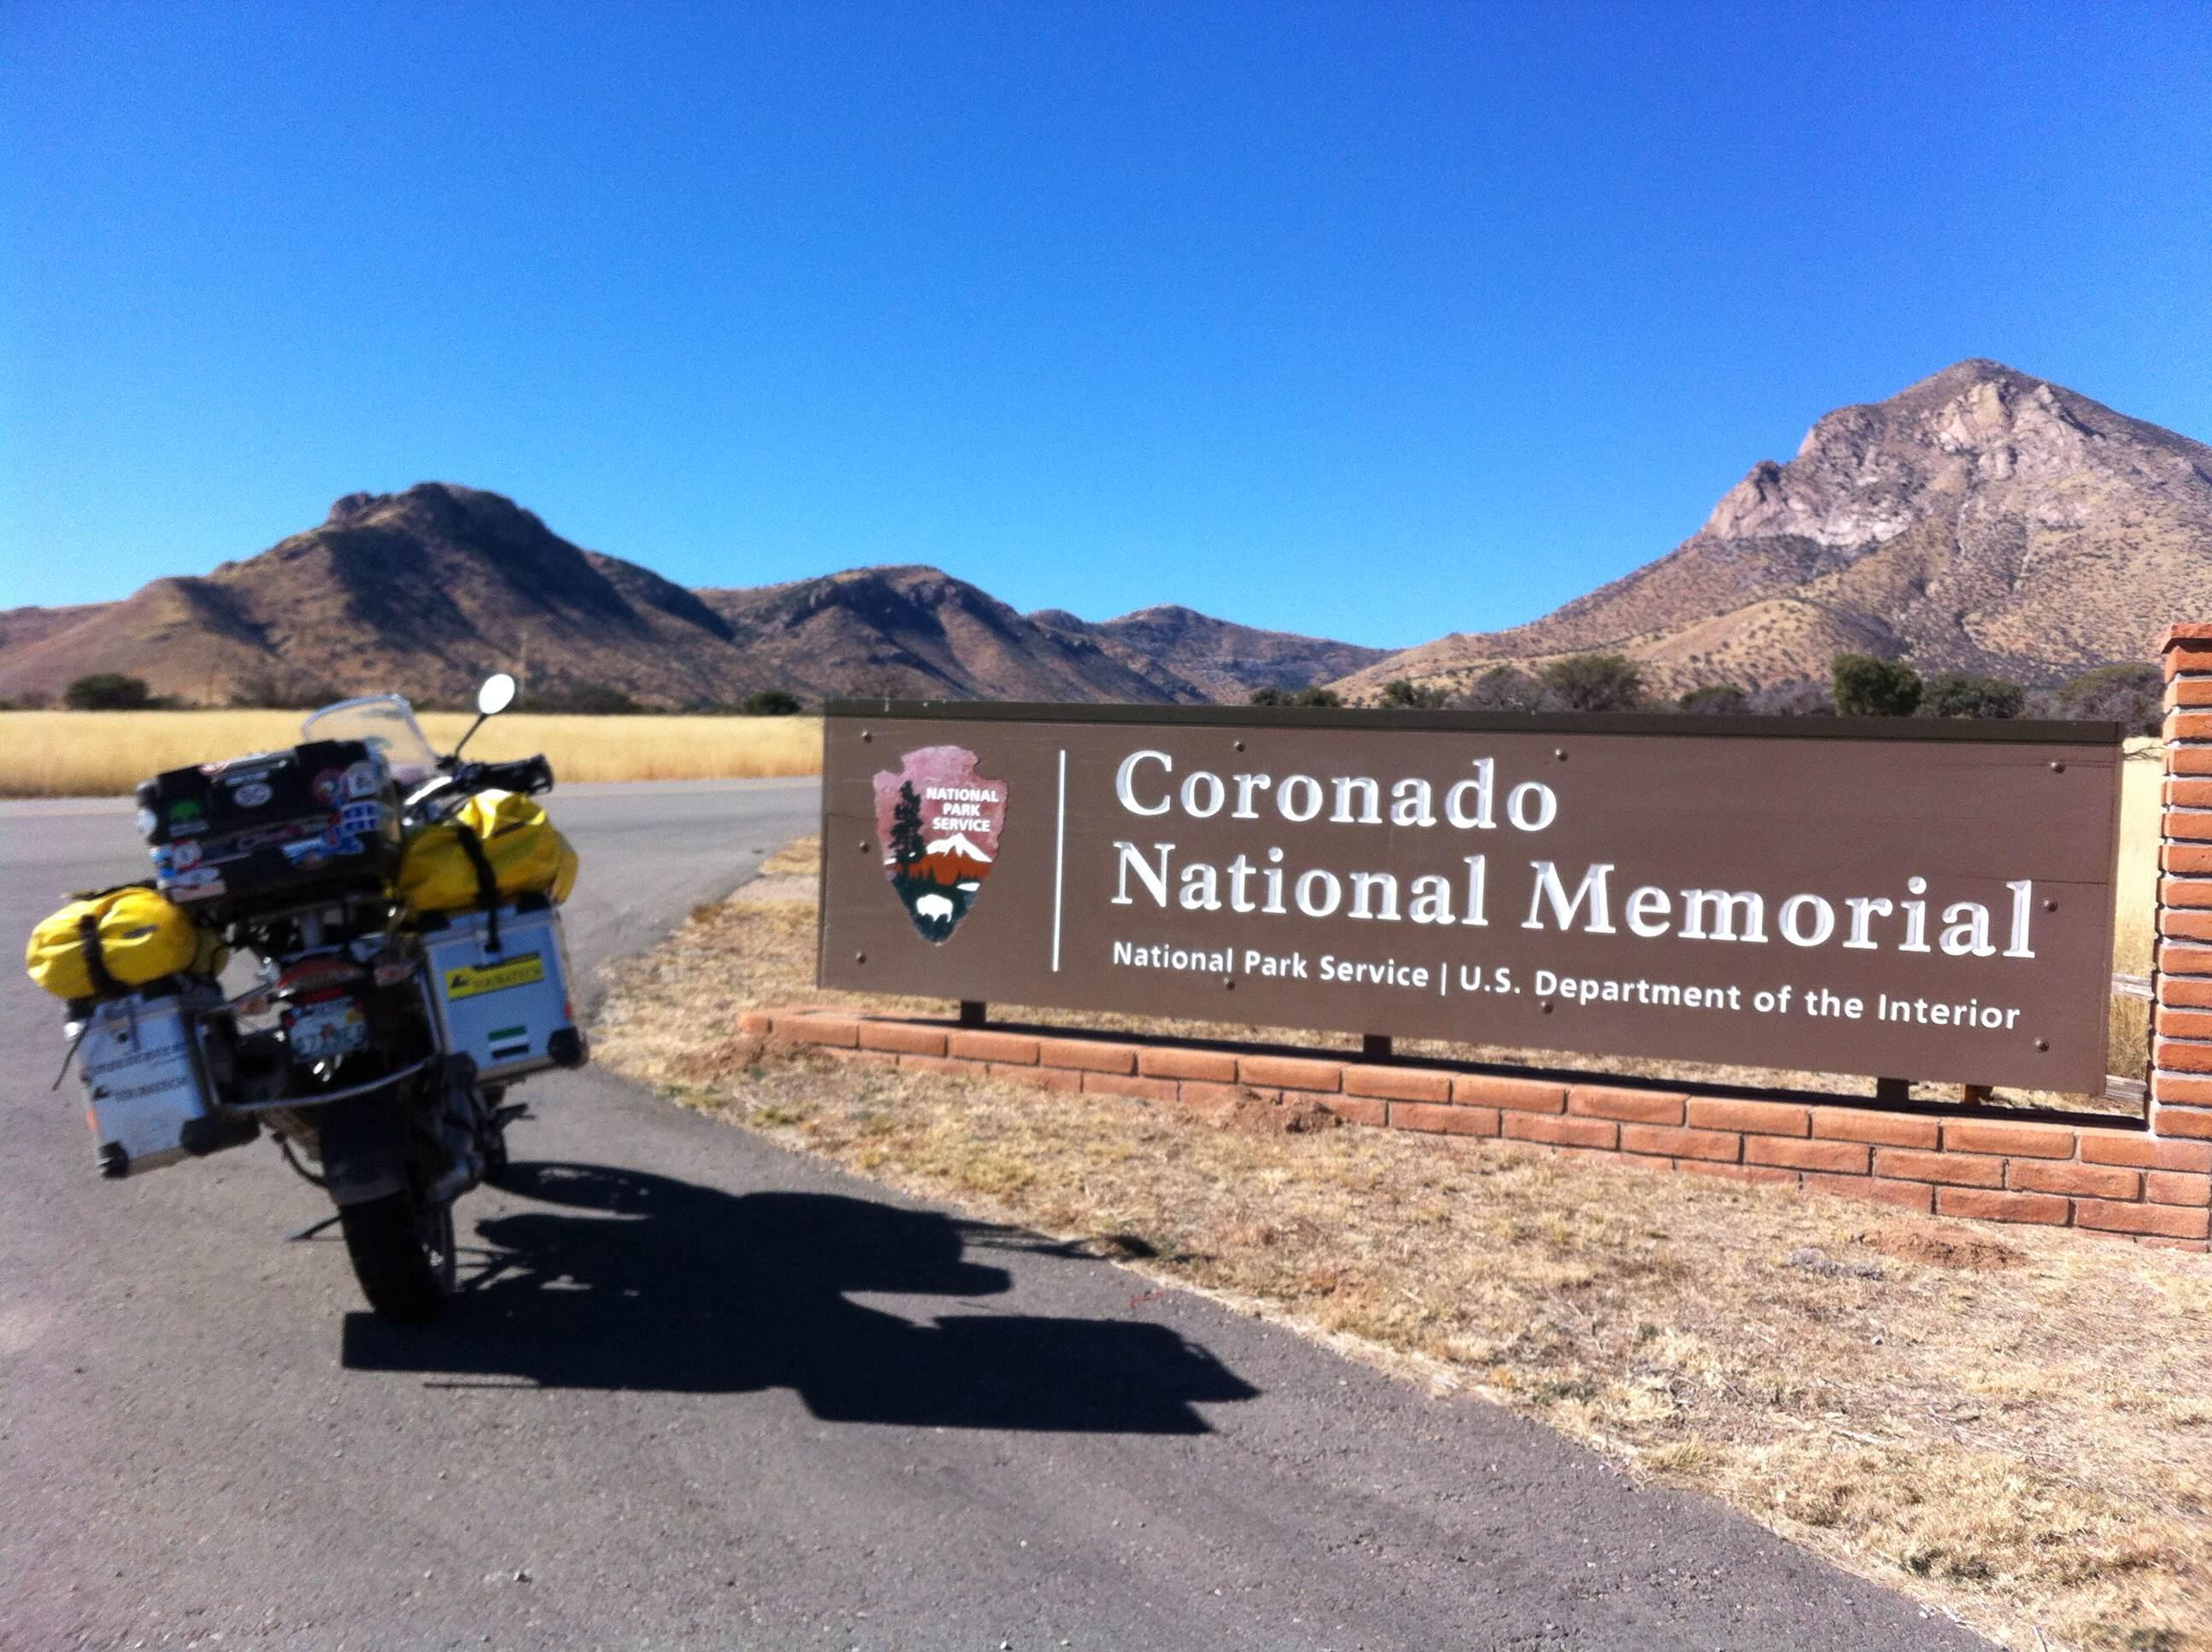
(351, 903)
(324, 1098)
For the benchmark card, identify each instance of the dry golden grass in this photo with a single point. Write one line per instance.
(102, 753)
(2009, 1424)
(2137, 897)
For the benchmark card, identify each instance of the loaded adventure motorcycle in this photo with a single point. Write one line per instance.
(401, 908)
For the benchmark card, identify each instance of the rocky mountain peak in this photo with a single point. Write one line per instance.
(353, 509)
(1981, 519)
(445, 510)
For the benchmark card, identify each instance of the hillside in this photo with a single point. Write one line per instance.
(916, 633)
(426, 589)
(1981, 519)
(429, 589)
(1227, 661)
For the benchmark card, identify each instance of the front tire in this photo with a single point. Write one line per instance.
(405, 1261)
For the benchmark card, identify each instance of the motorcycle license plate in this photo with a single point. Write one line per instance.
(320, 1030)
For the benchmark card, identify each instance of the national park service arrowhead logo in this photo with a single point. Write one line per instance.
(939, 822)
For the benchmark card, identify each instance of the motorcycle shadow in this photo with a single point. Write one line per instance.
(642, 1282)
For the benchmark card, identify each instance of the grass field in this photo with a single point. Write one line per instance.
(47, 753)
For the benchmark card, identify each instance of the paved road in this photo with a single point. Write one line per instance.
(707, 1394)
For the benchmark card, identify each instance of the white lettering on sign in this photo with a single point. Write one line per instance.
(1577, 900)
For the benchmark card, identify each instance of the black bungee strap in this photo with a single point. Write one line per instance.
(486, 882)
(96, 958)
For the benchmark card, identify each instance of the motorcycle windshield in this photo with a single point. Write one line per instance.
(386, 723)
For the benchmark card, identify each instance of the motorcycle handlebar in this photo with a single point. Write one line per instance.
(529, 775)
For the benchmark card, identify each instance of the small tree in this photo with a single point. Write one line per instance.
(1963, 694)
(1716, 700)
(1595, 681)
(770, 702)
(2134, 696)
(1317, 697)
(1270, 697)
(1411, 696)
(906, 826)
(1867, 685)
(107, 691)
(1504, 688)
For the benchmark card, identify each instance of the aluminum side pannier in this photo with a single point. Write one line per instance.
(499, 978)
(147, 1060)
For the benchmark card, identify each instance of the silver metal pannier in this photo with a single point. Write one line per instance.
(499, 979)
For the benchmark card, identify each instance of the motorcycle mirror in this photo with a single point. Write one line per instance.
(496, 694)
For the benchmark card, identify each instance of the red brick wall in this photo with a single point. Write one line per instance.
(2181, 980)
(2113, 1180)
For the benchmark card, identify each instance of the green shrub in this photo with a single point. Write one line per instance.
(1407, 693)
(1716, 700)
(1595, 681)
(1963, 694)
(770, 702)
(1867, 685)
(107, 691)
(1504, 688)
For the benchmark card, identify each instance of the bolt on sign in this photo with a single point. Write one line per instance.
(1922, 899)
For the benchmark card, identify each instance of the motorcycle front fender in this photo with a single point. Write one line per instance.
(364, 1149)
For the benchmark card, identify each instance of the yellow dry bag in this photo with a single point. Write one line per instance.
(522, 853)
(100, 946)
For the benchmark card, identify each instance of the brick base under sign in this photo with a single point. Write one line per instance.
(1989, 1165)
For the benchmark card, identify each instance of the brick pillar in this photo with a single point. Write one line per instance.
(2181, 970)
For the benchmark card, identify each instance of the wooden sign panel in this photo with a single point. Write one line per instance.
(1917, 900)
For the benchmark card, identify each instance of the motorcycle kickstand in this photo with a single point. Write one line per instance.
(312, 1229)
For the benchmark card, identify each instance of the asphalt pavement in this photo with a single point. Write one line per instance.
(699, 1392)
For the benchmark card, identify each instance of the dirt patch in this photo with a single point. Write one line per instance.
(1251, 1114)
(2011, 1425)
(1964, 1250)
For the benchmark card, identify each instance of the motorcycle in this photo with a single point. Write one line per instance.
(402, 910)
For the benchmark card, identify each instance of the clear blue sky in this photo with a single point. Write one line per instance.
(1371, 320)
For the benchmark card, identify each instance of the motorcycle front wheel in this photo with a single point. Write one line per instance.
(402, 1255)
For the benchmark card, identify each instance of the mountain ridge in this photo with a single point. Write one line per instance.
(429, 588)
(1979, 519)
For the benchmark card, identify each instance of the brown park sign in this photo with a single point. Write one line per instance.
(1925, 900)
